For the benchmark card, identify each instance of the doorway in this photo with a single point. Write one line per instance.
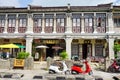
(87, 50)
(50, 51)
(84, 50)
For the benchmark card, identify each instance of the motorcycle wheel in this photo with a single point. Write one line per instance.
(91, 72)
(67, 72)
(52, 72)
(111, 69)
(74, 72)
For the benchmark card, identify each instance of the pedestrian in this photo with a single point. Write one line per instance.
(7, 55)
(36, 56)
(1, 54)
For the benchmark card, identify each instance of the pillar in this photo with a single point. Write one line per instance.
(82, 24)
(93, 48)
(69, 24)
(111, 51)
(30, 24)
(95, 24)
(68, 47)
(6, 23)
(54, 27)
(110, 23)
(43, 23)
(29, 45)
(16, 28)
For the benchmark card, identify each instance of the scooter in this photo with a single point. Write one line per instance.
(77, 69)
(114, 67)
(59, 67)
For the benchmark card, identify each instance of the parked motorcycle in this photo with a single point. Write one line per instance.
(115, 66)
(59, 67)
(77, 69)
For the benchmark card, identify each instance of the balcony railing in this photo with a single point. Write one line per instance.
(37, 29)
(48, 29)
(76, 29)
(60, 29)
(101, 29)
(22, 29)
(89, 29)
(11, 29)
(1, 29)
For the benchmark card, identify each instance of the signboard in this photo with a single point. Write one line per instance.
(19, 63)
(51, 41)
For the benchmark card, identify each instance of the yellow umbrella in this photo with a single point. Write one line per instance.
(9, 46)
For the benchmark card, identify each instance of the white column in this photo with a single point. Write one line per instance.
(111, 51)
(110, 23)
(95, 24)
(68, 47)
(29, 45)
(54, 27)
(43, 23)
(82, 24)
(6, 23)
(93, 48)
(69, 23)
(30, 24)
(16, 28)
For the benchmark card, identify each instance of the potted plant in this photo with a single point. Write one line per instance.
(63, 55)
(22, 55)
(20, 59)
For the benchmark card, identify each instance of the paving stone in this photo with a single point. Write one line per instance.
(17, 75)
(79, 78)
(60, 78)
(98, 78)
(115, 78)
(38, 77)
(7, 76)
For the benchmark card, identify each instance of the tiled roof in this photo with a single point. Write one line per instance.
(89, 8)
(31, 8)
(12, 9)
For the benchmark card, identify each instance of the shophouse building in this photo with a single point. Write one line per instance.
(83, 31)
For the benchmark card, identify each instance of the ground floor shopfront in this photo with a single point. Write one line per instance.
(81, 48)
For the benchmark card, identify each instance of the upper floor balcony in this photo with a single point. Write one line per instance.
(50, 29)
(59, 23)
(76, 29)
(101, 29)
(1, 29)
(11, 29)
(60, 29)
(22, 29)
(37, 29)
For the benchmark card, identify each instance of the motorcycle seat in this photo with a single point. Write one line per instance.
(79, 65)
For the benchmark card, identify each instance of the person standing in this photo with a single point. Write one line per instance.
(37, 56)
(7, 55)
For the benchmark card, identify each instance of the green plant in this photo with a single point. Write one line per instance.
(22, 55)
(116, 48)
(63, 55)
